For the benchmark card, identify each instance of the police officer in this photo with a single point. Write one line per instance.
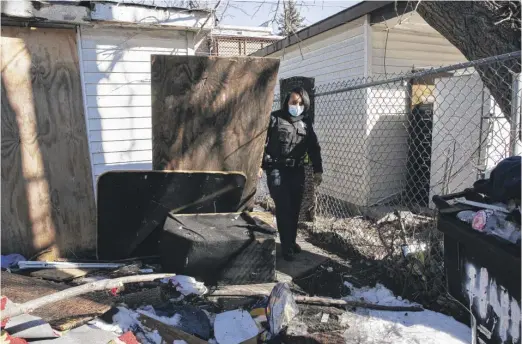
(290, 139)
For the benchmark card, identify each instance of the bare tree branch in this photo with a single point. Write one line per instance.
(480, 29)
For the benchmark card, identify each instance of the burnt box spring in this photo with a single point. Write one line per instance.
(218, 248)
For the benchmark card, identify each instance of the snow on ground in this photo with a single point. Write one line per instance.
(382, 327)
(363, 326)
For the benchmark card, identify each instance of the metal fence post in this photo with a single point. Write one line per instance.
(515, 137)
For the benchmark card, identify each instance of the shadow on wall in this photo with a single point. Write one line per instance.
(217, 102)
(47, 197)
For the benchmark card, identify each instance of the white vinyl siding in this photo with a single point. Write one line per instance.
(334, 55)
(116, 73)
(408, 43)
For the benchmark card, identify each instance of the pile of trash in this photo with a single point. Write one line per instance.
(183, 312)
(494, 203)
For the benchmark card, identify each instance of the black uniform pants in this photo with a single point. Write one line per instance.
(286, 187)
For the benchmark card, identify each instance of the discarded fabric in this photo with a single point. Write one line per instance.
(480, 219)
(495, 223)
(466, 216)
(11, 260)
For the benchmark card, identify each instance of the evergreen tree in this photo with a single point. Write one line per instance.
(290, 21)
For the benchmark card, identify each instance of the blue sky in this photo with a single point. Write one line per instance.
(256, 12)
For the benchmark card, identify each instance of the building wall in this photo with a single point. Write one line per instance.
(335, 55)
(386, 140)
(116, 79)
(457, 140)
(408, 43)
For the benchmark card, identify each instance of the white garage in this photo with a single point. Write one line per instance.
(115, 64)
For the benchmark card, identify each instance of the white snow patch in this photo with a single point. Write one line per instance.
(171, 321)
(376, 327)
(102, 325)
(128, 320)
(186, 285)
(177, 341)
(153, 337)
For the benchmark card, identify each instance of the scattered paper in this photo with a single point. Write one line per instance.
(29, 327)
(234, 327)
(325, 317)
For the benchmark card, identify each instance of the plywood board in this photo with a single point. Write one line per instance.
(211, 113)
(62, 315)
(47, 191)
(59, 275)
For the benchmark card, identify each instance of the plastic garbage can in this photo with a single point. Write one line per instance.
(483, 273)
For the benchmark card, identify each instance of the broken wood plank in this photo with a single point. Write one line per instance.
(69, 293)
(61, 315)
(153, 297)
(262, 289)
(169, 333)
(59, 275)
(211, 113)
(325, 301)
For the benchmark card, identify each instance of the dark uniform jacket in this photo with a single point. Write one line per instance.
(291, 138)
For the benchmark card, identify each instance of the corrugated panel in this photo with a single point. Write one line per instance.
(116, 71)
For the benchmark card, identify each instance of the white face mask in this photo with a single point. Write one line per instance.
(295, 110)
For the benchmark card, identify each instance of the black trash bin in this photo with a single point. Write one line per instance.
(484, 274)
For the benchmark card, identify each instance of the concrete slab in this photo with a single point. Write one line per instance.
(309, 259)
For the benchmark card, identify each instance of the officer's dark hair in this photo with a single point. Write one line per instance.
(304, 96)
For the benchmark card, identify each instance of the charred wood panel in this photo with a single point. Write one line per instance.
(211, 114)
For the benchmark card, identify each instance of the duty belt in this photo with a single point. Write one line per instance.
(287, 163)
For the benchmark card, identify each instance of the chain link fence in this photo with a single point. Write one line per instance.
(391, 142)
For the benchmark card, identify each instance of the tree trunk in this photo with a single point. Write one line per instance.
(481, 29)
